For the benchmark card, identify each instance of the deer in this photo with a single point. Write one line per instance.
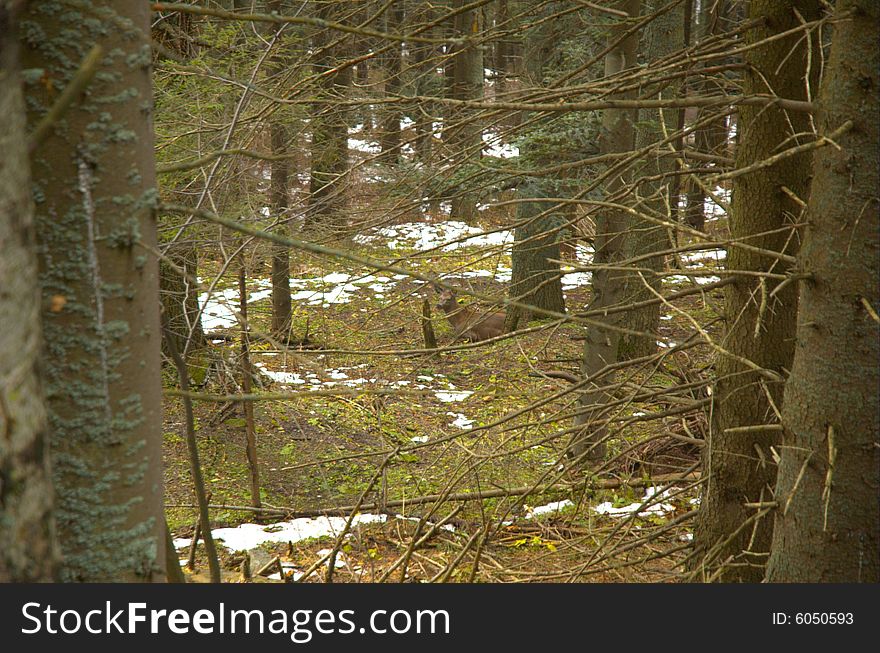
(468, 322)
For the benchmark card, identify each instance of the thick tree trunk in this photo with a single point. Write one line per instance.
(426, 83)
(710, 138)
(278, 204)
(731, 539)
(390, 138)
(504, 57)
(588, 445)
(180, 297)
(661, 37)
(95, 185)
(465, 134)
(829, 475)
(281, 307)
(28, 549)
(329, 152)
(536, 279)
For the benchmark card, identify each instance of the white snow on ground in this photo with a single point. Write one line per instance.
(494, 146)
(287, 378)
(449, 396)
(334, 288)
(422, 236)
(461, 421)
(697, 261)
(340, 294)
(716, 210)
(339, 287)
(340, 558)
(364, 146)
(501, 274)
(554, 506)
(584, 253)
(217, 310)
(248, 536)
(702, 280)
(607, 508)
(296, 574)
(574, 279)
(245, 537)
(717, 255)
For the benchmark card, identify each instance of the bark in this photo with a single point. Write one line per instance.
(180, 297)
(600, 349)
(505, 62)
(425, 83)
(661, 37)
(95, 189)
(390, 139)
(281, 306)
(829, 474)
(278, 204)
(535, 278)
(732, 540)
(329, 151)
(465, 137)
(711, 138)
(28, 548)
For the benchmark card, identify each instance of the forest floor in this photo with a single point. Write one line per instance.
(459, 424)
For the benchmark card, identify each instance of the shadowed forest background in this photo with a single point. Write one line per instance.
(439, 291)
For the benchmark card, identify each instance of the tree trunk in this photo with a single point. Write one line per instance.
(390, 139)
(28, 549)
(281, 307)
(600, 349)
(94, 180)
(504, 61)
(535, 277)
(732, 540)
(180, 296)
(710, 138)
(827, 516)
(426, 83)
(661, 37)
(465, 134)
(329, 152)
(278, 204)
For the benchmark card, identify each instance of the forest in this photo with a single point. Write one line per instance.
(440, 291)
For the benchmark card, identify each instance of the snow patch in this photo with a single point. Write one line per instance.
(248, 536)
(461, 421)
(607, 508)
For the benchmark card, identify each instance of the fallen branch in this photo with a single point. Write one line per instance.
(595, 484)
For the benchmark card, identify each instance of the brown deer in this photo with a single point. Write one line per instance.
(471, 323)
